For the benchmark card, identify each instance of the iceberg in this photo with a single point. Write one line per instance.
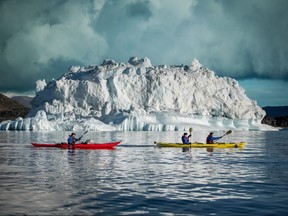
(137, 96)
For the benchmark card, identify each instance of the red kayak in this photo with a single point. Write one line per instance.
(79, 145)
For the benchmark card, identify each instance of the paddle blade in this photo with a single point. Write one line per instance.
(190, 130)
(228, 132)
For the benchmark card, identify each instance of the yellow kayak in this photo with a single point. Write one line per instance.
(202, 145)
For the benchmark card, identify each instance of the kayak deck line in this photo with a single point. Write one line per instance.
(201, 145)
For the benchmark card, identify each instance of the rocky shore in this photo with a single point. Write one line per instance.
(276, 121)
(276, 116)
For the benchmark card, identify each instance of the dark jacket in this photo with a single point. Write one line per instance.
(185, 140)
(210, 139)
(71, 140)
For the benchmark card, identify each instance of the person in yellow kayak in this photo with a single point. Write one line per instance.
(185, 138)
(210, 138)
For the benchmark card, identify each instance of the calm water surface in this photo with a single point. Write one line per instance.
(138, 179)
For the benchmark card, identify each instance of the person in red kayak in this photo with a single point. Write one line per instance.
(72, 139)
(210, 139)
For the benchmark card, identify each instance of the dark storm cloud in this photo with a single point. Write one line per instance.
(237, 38)
(263, 26)
(41, 39)
(139, 9)
(242, 39)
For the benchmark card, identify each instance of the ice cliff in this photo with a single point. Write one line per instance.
(139, 96)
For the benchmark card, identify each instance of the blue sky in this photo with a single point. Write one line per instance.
(242, 39)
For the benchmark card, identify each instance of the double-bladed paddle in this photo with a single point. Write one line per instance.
(82, 136)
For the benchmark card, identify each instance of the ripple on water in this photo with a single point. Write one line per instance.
(139, 179)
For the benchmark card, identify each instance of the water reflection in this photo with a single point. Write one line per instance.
(137, 178)
(71, 150)
(186, 149)
(209, 149)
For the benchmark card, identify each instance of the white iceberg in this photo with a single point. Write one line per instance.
(138, 96)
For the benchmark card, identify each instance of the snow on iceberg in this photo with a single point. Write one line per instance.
(138, 96)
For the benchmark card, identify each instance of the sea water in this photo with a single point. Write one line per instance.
(138, 179)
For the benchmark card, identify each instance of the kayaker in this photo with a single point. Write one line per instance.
(185, 138)
(210, 138)
(72, 139)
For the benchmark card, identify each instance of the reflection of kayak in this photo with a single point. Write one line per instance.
(80, 145)
(201, 145)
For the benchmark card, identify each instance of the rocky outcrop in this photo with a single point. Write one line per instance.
(276, 116)
(24, 100)
(276, 121)
(11, 109)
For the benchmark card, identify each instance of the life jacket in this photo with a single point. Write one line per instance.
(184, 140)
(208, 140)
(71, 140)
